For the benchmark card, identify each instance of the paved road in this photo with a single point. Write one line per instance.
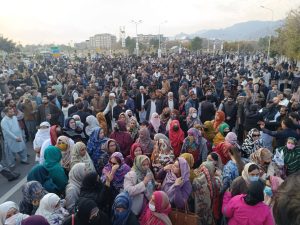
(12, 191)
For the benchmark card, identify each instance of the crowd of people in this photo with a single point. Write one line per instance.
(131, 140)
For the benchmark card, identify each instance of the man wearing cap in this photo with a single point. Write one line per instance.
(110, 109)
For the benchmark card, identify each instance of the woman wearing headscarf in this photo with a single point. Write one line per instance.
(165, 118)
(192, 119)
(95, 146)
(195, 144)
(231, 169)
(35, 220)
(241, 208)
(116, 168)
(102, 122)
(92, 188)
(272, 185)
(241, 184)
(206, 193)
(162, 155)
(42, 135)
(110, 147)
(222, 149)
(33, 192)
(40, 173)
(190, 160)
(176, 136)
(161, 136)
(10, 215)
(79, 155)
(135, 150)
(122, 214)
(92, 123)
(139, 183)
(263, 159)
(51, 208)
(76, 176)
(133, 128)
(177, 183)
(122, 137)
(251, 143)
(73, 130)
(291, 156)
(88, 213)
(145, 141)
(209, 131)
(52, 165)
(55, 132)
(155, 125)
(66, 145)
(220, 136)
(158, 210)
(219, 119)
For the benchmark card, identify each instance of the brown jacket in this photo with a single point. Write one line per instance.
(29, 110)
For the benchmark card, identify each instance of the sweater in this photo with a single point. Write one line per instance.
(238, 212)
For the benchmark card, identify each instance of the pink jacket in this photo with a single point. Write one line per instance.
(238, 212)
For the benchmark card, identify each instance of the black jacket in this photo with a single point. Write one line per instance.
(138, 100)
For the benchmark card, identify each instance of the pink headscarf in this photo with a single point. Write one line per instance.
(275, 182)
(155, 121)
(231, 138)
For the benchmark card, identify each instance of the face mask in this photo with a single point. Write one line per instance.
(253, 178)
(268, 191)
(194, 115)
(290, 146)
(62, 146)
(175, 128)
(152, 207)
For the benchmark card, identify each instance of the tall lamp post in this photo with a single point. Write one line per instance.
(269, 45)
(159, 41)
(137, 39)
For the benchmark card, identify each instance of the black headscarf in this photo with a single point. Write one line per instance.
(90, 182)
(255, 193)
(85, 207)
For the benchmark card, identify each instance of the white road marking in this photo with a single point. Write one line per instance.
(13, 190)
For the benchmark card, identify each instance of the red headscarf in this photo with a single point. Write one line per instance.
(53, 134)
(133, 148)
(218, 121)
(176, 137)
(162, 209)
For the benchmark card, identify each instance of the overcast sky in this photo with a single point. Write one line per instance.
(65, 21)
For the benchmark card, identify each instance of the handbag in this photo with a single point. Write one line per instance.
(183, 217)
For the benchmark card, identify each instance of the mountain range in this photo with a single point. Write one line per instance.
(250, 30)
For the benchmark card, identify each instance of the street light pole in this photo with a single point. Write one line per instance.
(269, 45)
(137, 39)
(159, 45)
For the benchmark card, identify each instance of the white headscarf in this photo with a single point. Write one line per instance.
(155, 121)
(76, 175)
(77, 158)
(92, 124)
(4, 208)
(50, 208)
(16, 219)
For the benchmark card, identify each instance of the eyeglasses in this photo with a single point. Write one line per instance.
(256, 135)
(112, 163)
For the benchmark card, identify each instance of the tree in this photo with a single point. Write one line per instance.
(7, 45)
(130, 44)
(196, 44)
(288, 42)
(154, 43)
